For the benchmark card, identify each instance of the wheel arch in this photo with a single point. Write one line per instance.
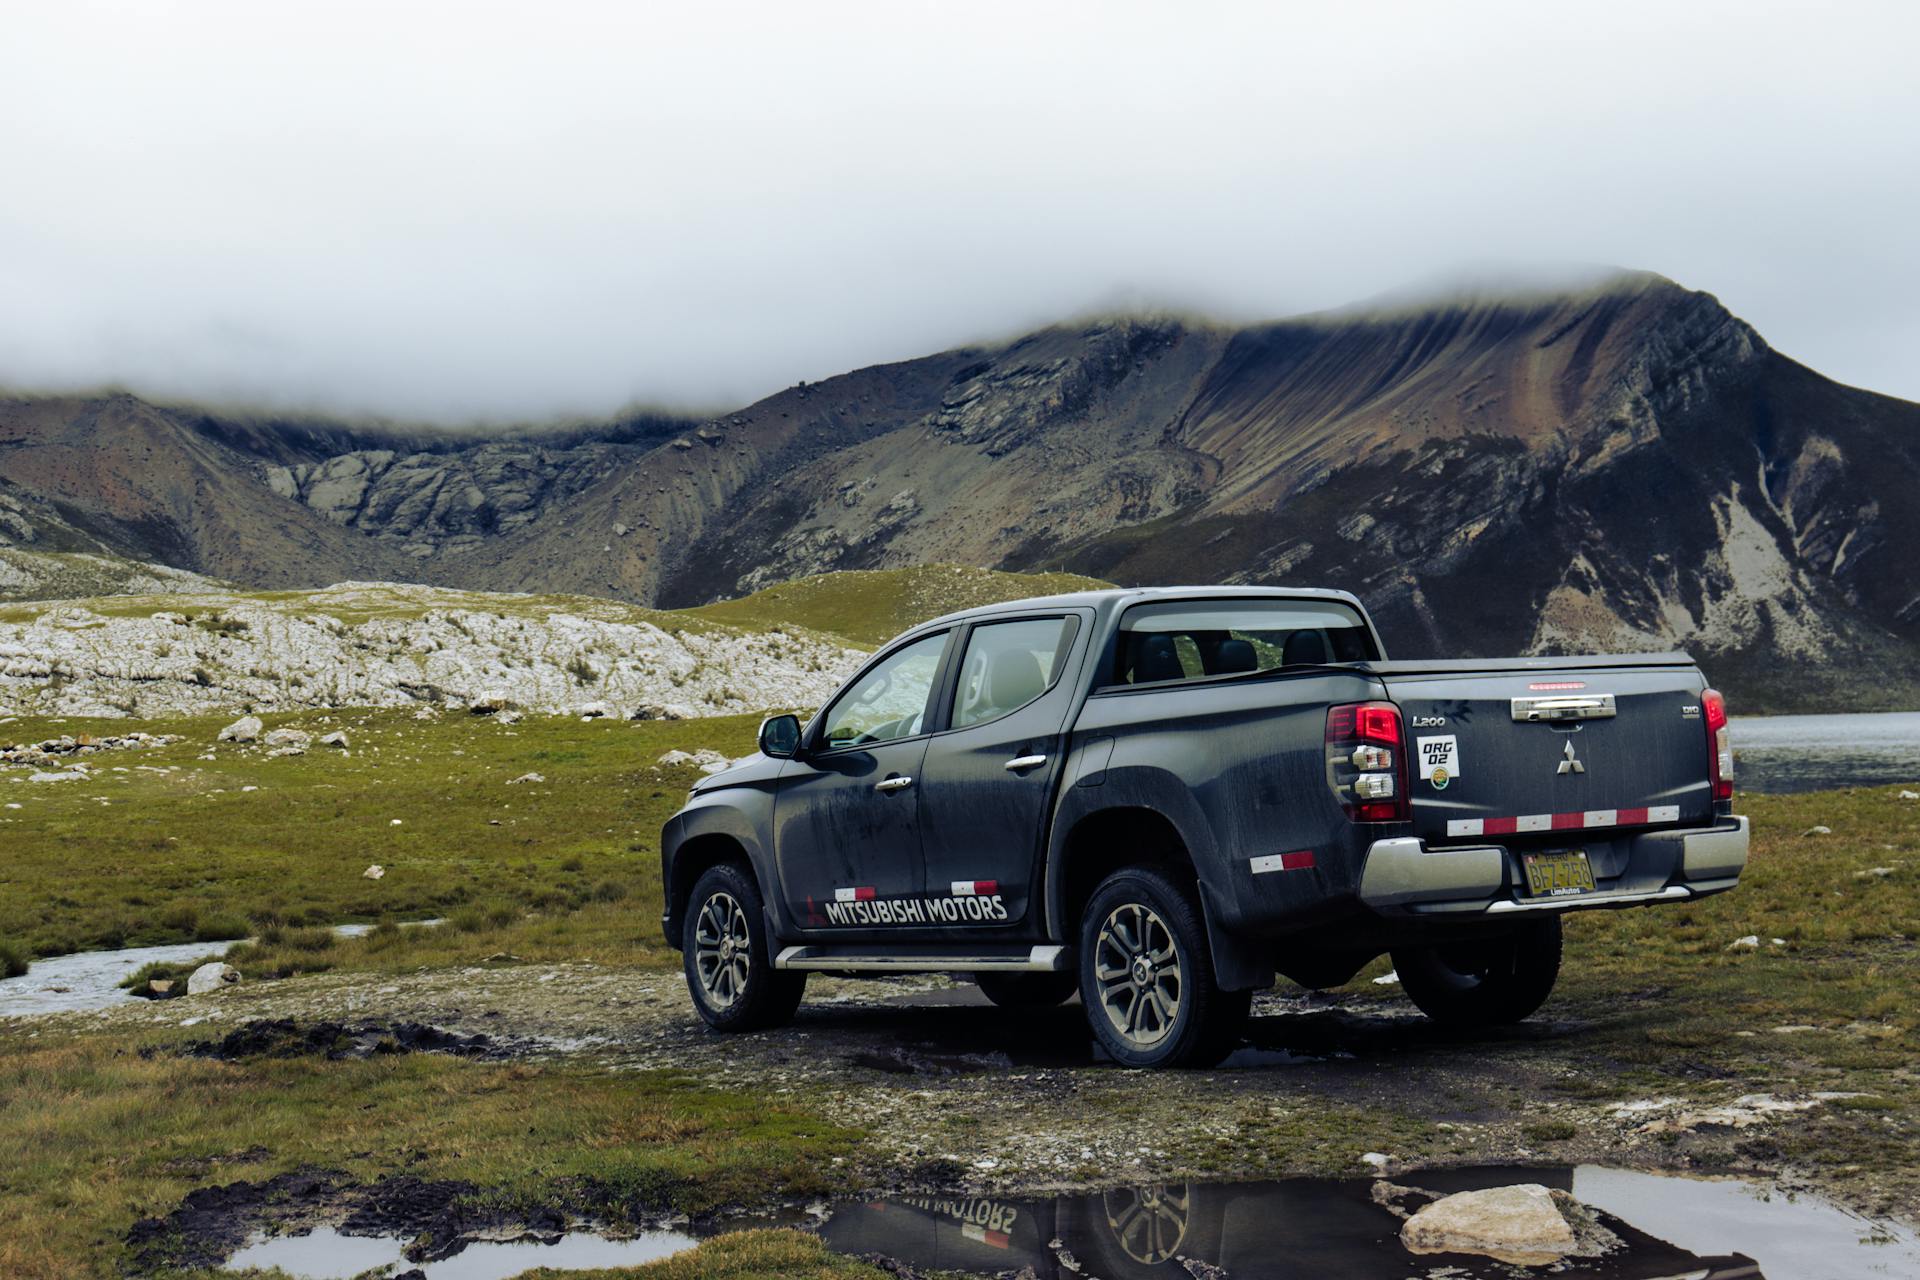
(694, 856)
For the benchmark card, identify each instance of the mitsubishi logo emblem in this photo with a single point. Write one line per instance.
(1570, 764)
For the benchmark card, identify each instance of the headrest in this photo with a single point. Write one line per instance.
(1014, 678)
(1304, 647)
(1234, 656)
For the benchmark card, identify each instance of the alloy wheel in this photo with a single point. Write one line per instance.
(722, 949)
(1138, 971)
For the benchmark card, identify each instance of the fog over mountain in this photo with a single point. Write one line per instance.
(457, 212)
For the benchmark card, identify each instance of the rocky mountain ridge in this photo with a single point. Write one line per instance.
(1625, 466)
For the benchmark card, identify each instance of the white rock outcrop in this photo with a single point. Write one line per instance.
(1520, 1224)
(245, 729)
(410, 646)
(212, 976)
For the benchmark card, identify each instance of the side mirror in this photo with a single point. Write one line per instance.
(780, 736)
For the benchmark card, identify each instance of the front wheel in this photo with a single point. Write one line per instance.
(1146, 977)
(1487, 981)
(723, 947)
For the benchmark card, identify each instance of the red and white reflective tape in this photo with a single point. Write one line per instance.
(1298, 860)
(975, 888)
(973, 1231)
(1587, 821)
(863, 894)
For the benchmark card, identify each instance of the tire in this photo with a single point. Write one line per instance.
(723, 949)
(1027, 990)
(1146, 976)
(1484, 982)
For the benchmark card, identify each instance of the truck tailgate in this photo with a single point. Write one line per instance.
(1539, 750)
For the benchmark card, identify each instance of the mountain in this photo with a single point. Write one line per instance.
(1624, 466)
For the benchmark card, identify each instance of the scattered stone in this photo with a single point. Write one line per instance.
(663, 711)
(1910, 795)
(491, 703)
(287, 738)
(69, 775)
(1749, 943)
(1816, 831)
(159, 988)
(245, 729)
(1873, 873)
(335, 739)
(591, 710)
(1520, 1224)
(394, 823)
(374, 872)
(507, 717)
(286, 751)
(211, 976)
(525, 777)
(675, 757)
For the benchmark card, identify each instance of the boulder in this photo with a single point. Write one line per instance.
(212, 976)
(1816, 831)
(374, 872)
(1749, 943)
(245, 729)
(335, 739)
(69, 775)
(663, 711)
(490, 703)
(288, 751)
(526, 777)
(288, 738)
(591, 711)
(1519, 1224)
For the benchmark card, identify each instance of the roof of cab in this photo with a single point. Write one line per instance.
(1113, 597)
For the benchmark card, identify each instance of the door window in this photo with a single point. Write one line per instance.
(1009, 664)
(889, 700)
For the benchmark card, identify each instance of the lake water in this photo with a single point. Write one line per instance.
(1784, 754)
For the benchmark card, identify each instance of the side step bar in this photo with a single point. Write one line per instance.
(1047, 959)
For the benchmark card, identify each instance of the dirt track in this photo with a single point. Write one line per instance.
(956, 1092)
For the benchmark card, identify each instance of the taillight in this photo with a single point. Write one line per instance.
(1367, 761)
(1719, 744)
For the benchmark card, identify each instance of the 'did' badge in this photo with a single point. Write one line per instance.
(1439, 760)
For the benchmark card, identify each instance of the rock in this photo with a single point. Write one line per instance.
(287, 751)
(591, 711)
(1376, 1161)
(287, 738)
(1910, 795)
(1749, 943)
(507, 717)
(1816, 831)
(1873, 873)
(493, 702)
(335, 739)
(158, 987)
(374, 872)
(525, 777)
(245, 729)
(663, 711)
(675, 757)
(70, 775)
(211, 976)
(1520, 1224)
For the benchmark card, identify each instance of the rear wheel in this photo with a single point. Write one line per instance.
(1027, 990)
(1484, 982)
(723, 946)
(1146, 977)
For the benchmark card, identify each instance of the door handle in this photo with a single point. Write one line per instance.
(1018, 763)
(893, 784)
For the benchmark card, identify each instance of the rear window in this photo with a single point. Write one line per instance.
(1194, 639)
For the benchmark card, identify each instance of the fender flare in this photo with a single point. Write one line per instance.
(701, 823)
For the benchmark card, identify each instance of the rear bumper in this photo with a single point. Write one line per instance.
(1403, 877)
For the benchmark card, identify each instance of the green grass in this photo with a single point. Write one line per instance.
(559, 868)
(98, 1135)
(869, 607)
(739, 1255)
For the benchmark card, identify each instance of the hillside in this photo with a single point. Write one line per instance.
(1628, 466)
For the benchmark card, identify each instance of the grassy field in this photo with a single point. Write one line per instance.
(100, 1128)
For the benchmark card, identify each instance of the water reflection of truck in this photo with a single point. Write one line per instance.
(1276, 1230)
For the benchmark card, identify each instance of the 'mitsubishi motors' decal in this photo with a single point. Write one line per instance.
(1439, 759)
(971, 902)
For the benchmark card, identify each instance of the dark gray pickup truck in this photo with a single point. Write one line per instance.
(1162, 798)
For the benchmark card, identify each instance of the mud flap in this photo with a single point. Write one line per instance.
(1237, 964)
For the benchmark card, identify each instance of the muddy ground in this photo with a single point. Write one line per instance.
(955, 1092)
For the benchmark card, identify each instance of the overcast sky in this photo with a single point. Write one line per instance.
(470, 210)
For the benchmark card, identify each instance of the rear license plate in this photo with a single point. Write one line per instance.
(1558, 875)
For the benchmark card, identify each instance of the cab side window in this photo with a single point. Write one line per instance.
(889, 700)
(1009, 664)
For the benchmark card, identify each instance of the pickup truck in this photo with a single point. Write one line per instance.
(1162, 798)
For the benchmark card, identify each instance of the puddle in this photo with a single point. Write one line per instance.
(1667, 1227)
(326, 1254)
(90, 980)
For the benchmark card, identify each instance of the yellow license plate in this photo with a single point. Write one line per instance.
(1558, 875)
